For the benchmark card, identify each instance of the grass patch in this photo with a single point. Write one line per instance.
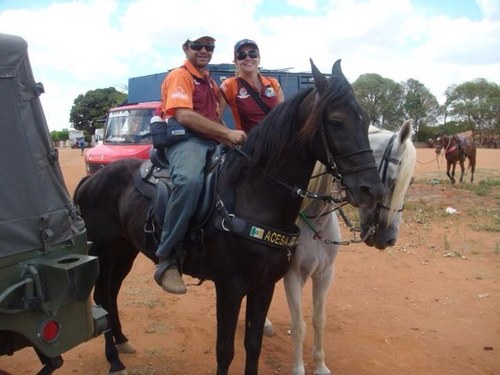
(488, 219)
(150, 302)
(157, 327)
(143, 371)
(483, 188)
(154, 352)
(486, 228)
(422, 213)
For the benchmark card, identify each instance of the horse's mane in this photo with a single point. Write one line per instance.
(404, 173)
(320, 182)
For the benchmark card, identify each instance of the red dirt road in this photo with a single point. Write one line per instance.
(429, 305)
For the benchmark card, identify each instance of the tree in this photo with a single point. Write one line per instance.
(59, 135)
(382, 99)
(477, 103)
(420, 106)
(88, 109)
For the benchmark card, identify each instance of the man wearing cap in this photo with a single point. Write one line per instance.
(191, 96)
(249, 94)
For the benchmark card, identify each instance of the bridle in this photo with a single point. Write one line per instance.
(331, 167)
(335, 201)
(336, 204)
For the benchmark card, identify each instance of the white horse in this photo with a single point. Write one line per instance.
(321, 237)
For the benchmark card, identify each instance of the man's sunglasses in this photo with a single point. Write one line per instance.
(199, 47)
(253, 54)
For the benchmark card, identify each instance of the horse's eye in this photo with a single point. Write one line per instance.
(334, 121)
(335, 118)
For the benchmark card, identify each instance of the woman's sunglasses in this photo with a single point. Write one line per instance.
(198, 47)
(253, 54)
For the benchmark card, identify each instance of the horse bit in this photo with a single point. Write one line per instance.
(337, 200)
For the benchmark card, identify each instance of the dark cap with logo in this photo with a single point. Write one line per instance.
(244, 42)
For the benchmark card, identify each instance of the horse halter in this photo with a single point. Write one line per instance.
(332, 166)
(382, 168)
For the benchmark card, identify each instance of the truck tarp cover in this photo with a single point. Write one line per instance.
(36, 210)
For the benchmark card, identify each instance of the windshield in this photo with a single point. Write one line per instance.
(130, 126)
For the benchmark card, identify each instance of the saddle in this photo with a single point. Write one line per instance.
(461, 143)
(153, 182)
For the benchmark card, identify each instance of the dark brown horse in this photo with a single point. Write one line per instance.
(260, 186)
(457, 149)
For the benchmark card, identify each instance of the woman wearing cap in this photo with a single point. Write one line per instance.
(249, 94)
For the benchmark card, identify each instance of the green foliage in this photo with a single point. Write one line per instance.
(382, 99)
(476, 103)
(483, 188)
(421, 106)
(88, 110)
(59, 135)
(473, 105)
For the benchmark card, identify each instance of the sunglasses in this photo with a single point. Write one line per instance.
(253, 54)
(199, 47)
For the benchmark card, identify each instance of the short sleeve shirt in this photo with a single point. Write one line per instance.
(246, 112)
(185, 87)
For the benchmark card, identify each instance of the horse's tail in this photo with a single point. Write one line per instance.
(75, 194)
(472, 158)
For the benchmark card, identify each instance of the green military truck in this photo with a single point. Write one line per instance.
(46, 274)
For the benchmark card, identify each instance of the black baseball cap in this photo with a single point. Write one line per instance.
(244, 42)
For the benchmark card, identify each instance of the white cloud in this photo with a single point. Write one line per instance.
(83, 45)
(303, 4)
(490, 9)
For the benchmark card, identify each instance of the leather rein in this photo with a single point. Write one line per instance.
(288, 241)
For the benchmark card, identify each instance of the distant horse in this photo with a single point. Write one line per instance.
(457, 149)
(251, 233)
(321, 238)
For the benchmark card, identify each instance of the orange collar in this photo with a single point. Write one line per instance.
(191, 69)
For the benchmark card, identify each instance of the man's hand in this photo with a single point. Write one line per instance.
(235, 137)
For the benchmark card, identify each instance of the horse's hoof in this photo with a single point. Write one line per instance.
(125, 348)
(268, 331)
(121, 372)
(324, 371)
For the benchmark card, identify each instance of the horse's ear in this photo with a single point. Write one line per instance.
(337, 69)
(319, 79)
(405, 131)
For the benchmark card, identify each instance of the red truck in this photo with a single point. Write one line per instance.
(126, 135)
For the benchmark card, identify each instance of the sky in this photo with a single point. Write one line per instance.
(81, 45)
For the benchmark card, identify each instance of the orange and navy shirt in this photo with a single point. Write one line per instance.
(246, 112)
(185, 87)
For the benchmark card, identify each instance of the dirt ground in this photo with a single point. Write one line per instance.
(429, 305)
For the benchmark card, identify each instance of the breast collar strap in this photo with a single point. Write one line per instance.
(257, 232)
